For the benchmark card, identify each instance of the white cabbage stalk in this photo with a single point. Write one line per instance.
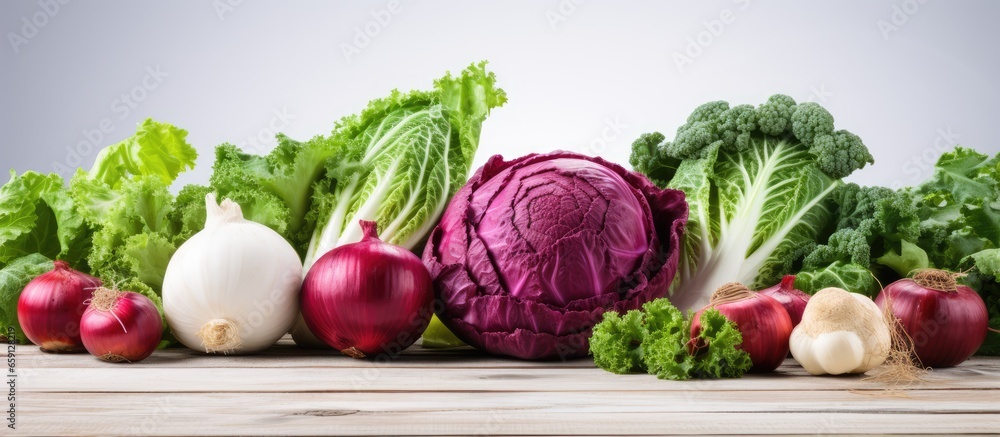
(234, 286)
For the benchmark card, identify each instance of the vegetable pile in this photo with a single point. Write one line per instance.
(766, 198)
(544, 256)
(397, 162)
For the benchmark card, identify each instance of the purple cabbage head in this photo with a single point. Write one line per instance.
(531, 252)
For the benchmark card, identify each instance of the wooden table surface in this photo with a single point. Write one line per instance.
(290, 391)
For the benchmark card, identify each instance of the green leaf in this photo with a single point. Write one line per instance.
(437, 336)
(721, 357)
(910, 258)
(157, 149)
(148, 256)
(27, 223)
(851, 277)
(13, 278)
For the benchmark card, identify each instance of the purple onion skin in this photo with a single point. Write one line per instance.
(369, 297)
(50, 308)
(789, 297)
(946, 327)
(765, 326)
(105, 337)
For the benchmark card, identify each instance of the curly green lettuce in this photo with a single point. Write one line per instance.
(657, 340)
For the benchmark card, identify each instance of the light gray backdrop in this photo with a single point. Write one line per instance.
(910, 77)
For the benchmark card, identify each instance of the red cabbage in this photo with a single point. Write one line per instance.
(531, 252)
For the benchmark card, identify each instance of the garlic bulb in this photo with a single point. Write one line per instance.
(840, 332)
(234, 286)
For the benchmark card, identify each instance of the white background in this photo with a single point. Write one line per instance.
(910, 77)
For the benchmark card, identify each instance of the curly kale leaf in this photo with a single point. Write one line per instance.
(657, 340)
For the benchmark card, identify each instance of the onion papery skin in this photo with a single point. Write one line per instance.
(764, 324)
(947, 327)
(368, 298)
(50, 307)
(788, 296)
(128, 331)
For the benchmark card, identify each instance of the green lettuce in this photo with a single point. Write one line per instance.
(400, 161)
(38, 216)
(657, 340)
(13, 278)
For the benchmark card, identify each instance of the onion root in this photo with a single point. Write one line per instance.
(220, 335)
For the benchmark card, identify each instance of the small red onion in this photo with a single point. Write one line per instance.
(368, 298)
(788, 296)
(121, 326)
(763, 322)
(947, 321)
(50, 307)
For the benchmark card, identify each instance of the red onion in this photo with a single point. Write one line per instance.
(947, 321)
(789, 297)
(368, 298)
(121, 326)
(763, 322)
(51, 305)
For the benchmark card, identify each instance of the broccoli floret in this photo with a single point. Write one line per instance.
(840, 153)
(708, 112)
(645, 150)
(775, 116)
(809, 121)
(736, 125)
(700, 131)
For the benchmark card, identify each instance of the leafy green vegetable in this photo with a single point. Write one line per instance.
(13, 278)
(400, 161)
(276, 189)
(125, 197)
(658, 340)
(37, 216)
(758, 182)
(950, 222)
(874, 228)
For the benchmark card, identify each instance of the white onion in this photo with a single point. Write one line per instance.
(234, 286)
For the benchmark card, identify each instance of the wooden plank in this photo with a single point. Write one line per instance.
(588, 413)
(388, 378)
(293, 357)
